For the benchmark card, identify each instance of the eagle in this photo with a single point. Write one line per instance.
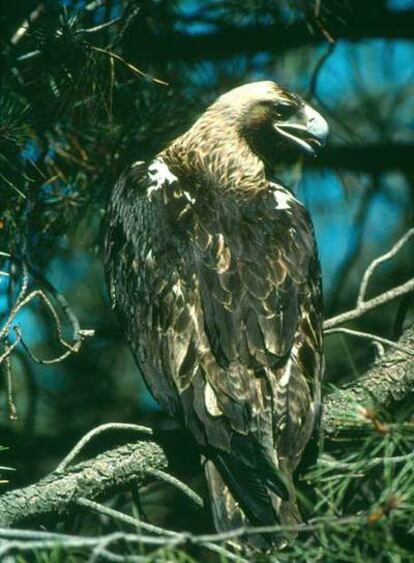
(213, 270)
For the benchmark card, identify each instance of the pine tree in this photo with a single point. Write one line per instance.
(88, 87)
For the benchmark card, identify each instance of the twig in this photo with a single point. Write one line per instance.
(9, 349)
(128, 65)
(9, 385)
(99, 27)
(72, 348)
(25, 283)
(151, 528)
(371, 304)
(178, 484)
(380, 260)
(50, 541)
(95, 432)
(369, 336)
(24, 299)
(319, 65)
(101, 509)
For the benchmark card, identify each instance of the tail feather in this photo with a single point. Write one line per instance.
(242, 496)
(248, 489)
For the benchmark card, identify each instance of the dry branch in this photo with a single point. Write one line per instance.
(389, 381)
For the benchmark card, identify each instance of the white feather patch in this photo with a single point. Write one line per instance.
(283, 197)
(159, 175)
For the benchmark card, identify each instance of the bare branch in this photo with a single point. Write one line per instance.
(9, 383)
(369, 336)
(24, 299)
(371, 304)
(380, 260)
(131, 67)
(101, 509)
(95, 432)
(163, 476)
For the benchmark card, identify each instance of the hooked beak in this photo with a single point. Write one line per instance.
(310, 134)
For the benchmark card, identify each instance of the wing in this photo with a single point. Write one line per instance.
(260, 294)
(141, 267)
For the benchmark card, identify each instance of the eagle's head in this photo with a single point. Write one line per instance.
(246, 132)
(277, 124)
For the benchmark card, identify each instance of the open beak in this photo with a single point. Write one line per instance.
(309, 130)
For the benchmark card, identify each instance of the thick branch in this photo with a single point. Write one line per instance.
(269, 38)
(389, 381)
(55, 495)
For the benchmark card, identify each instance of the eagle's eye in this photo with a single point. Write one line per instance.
(284, 110)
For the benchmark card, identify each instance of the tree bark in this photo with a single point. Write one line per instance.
(387, 383)
(94, 479)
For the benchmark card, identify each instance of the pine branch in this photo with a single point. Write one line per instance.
(57, 494)
(387, 383)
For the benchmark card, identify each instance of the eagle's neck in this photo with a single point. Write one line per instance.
(215, 154)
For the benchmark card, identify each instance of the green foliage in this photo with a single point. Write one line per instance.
(363, 494)
(74, 112)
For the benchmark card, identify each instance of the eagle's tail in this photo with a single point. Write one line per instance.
(242, 497)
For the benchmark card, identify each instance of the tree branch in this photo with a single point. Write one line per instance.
(250, 40)
(56, 494)
(389, 381)
(370, 305)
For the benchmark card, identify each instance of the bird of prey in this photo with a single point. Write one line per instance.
(213, 269)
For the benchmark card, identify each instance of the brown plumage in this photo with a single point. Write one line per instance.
(213, 270)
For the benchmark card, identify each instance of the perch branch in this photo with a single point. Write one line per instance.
(58, 493)
(390, 380)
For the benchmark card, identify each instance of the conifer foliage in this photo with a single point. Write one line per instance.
(86, 88)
